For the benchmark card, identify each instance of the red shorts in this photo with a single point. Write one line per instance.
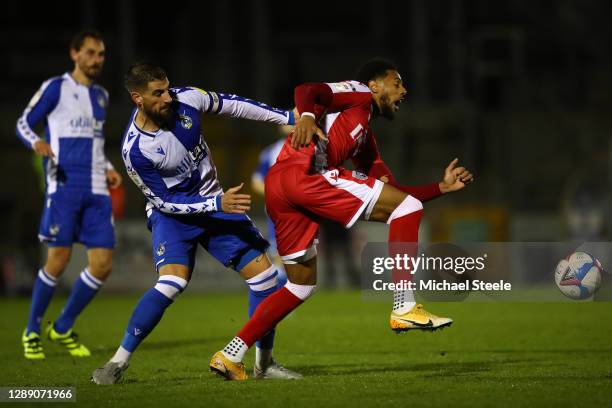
(296, 199)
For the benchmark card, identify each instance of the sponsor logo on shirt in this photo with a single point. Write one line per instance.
(186, 122)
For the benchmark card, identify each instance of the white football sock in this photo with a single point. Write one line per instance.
(121, 356)
(235, 350)
(403, 301)
(263, 358)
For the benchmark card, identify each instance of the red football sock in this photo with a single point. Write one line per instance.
(403, 239)
(268, 314)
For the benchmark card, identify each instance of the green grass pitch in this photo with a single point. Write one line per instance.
(495, 354)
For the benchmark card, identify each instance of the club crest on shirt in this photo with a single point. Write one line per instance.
(342, 87)
(186, 122)
(161, 249)
(54, 229)
(359, 175)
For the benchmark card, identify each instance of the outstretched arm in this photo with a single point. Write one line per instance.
(233, 105)
(143, 173)
(370, 162)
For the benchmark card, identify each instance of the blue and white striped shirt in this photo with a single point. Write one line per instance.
(74, 116)
(173, 166)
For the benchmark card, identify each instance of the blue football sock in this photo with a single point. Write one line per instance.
(150, 309)
(42, 292)
(83, 291)
(260, 287)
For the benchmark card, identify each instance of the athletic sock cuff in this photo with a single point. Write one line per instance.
(171, 286)
(264, 281)
(90, 280)
(302, 292)
(46, 278)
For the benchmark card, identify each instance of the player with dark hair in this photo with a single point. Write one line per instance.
(308, 183)
(167, 158)
(77, 201)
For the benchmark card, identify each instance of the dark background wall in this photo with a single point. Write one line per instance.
(520, 91)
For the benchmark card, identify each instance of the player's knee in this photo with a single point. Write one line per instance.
(302, 292)
(264, 281)
(408, 206)
(57, 261)
(171, 286)
(101, 268)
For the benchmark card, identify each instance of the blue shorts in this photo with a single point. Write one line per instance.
(231, 239)
(76, 216)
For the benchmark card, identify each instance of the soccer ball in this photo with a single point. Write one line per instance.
(578, 276)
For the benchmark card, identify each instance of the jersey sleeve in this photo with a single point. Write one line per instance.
(368, 161)
(144, 174)
(42, 103)
(233, 105)
(333, 97)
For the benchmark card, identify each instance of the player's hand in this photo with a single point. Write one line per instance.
(43, 149)
(305, 129)
(234, 203)
(113, 178)
(455, 178)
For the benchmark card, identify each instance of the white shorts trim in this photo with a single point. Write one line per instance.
(359, 190)
(378, 187)
(368, 203)
(301, 256)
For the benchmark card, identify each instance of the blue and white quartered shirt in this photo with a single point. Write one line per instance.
(74, 116)
(172, 166)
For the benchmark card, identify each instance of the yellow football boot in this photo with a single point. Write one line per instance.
(226, 368)
(70, 341)
(419, 319)
(32, 349)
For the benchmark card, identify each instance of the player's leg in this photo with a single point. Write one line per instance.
(96, 232)
(57, 226)
(295, 233)
(262, 277)
(174, 248)
(42, 292)
(403, 214)
(299, 287)
(234, 241)
(173, 279)
(83, 291)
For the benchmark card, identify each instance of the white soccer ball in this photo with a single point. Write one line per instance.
(579, 275)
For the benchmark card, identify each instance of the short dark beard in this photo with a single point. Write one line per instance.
(90, 73)
(161, 120)
(386, 108)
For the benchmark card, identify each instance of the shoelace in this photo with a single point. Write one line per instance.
(33, 342)
(419, 310)
(33, 345)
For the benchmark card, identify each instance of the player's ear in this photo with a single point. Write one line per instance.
(136, 98)
(374, 86)
(74, 54)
